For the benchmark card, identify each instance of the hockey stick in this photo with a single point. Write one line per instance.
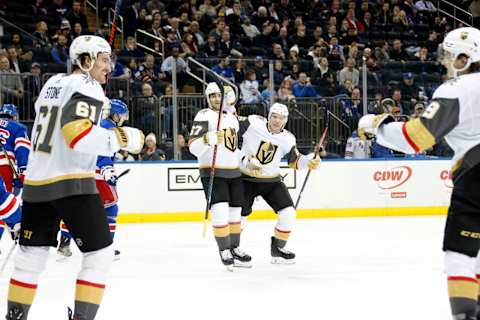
(123, 173)
(212, 167)
(7, 258)
(317, 151)
(113, 32)
(10, 163)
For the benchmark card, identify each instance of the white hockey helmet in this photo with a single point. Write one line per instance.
(463, 41)
(211, 88)
(280, 109)
(91, 45)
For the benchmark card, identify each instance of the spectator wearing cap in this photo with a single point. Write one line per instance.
(349, 72)
(303, 87)
(151, 152)
(294, 54)
(418, 110)
(409, 89)
(64, 30)
(249, 88)
(76, 15)
(171, 42)
(224, 69)
(59, 51)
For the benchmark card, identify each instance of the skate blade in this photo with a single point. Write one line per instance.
(62, 258)
(240, 264)
(278, 260)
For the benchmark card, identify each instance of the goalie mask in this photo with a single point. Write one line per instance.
(277, 117)
(213, 95)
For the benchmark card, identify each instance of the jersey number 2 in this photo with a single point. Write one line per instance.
(45, 126)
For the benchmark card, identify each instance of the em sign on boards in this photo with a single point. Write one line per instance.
(188, 179)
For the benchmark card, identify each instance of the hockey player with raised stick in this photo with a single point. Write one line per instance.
(60, 180)
(265, 143)
(105, 179)
(452, 114)
(227, 193)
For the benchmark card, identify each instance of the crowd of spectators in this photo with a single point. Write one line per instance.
(317, 48)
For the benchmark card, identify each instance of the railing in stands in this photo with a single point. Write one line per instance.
(142, 37)
(459, 15)
(22, 31)
(94, 7)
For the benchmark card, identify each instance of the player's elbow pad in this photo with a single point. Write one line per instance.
(82, 136)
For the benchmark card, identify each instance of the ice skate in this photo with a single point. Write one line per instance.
(281, 255)
(227, 259)
(240, 258)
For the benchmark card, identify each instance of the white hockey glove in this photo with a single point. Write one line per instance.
(130, 139)
(309, 161)
(253, 164)
(314, 163)
(214, 137)
(109, 175)
(369, 124)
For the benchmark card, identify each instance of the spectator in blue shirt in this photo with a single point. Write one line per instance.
(59, 51)
(303, 88)
(224, 69)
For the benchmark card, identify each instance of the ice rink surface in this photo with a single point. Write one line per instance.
(359, 268)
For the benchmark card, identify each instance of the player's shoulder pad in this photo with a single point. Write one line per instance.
(203, 114)
(289, 136)
(87, 86)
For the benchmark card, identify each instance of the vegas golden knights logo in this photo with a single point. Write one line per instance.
(230, 139)
(266, 152)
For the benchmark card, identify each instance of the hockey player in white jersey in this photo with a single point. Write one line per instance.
(265, 143)
(454, 114)
(227, 195)
(60, 180)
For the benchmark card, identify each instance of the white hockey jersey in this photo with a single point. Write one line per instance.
(357, 148)
(453, 114)
(267, 147)
(227, 159)
(66, 139)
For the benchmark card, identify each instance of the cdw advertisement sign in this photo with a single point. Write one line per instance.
(393, 180)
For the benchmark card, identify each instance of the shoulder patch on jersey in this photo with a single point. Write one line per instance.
(81, 106)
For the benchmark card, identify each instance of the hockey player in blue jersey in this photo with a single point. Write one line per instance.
(10, 210)
(106, 179)
(16, 145)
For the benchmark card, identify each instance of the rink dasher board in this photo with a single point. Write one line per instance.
(169, 191)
